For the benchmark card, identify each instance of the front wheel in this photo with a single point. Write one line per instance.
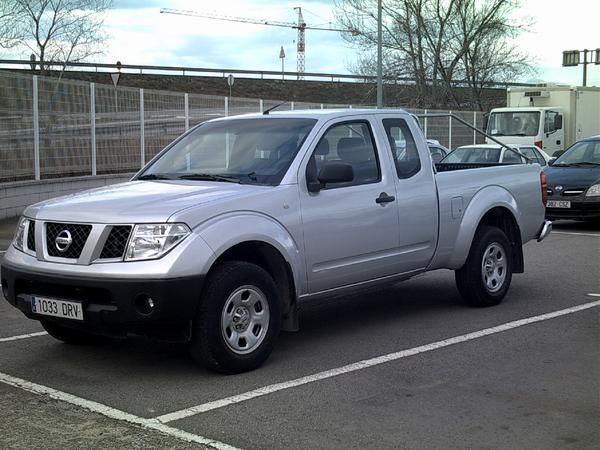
(487, 273)
(238, 319)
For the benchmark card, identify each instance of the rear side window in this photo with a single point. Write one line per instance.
(351, 143)
(533, 154)
(404, 148)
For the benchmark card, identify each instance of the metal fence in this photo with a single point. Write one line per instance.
(52, 128)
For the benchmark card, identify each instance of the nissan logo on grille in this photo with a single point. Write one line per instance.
(63, 241)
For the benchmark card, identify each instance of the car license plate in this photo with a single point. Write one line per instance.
(558, 204)
(56, 308)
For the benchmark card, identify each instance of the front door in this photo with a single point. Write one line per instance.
(350, 228)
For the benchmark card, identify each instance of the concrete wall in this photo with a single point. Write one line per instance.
(15, 197)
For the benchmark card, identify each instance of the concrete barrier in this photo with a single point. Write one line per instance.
(15, 197)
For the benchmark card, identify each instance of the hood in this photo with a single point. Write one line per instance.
(581, 177)
(137, 201)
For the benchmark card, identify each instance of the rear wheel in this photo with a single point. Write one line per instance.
(238, 319)
(487, 273)
(70, 335)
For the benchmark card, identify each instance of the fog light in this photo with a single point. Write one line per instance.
(144, 304)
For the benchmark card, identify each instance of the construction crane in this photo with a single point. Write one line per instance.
(300, 26)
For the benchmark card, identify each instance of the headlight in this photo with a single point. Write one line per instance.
(20, 233)
(152, 241)
(593, 191)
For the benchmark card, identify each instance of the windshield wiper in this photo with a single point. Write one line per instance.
(208, 177)
(155, 176)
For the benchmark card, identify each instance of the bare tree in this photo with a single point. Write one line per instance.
(60, 30)
(438, 44)
(8, 15)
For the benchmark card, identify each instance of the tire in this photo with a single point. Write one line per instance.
(485, 278)
(238, 319)
(70, 335)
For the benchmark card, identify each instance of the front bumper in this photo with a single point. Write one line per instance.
(111, 306)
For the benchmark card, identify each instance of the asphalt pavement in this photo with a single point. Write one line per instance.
(405, 367)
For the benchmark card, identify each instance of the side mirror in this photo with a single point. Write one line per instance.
(558, 119)
(332, 172)
(551, 161)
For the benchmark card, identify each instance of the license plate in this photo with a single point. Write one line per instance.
(558, 204)
(56, 308)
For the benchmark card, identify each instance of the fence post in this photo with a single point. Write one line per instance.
(425, 124)
(36, 129)
(186, 107)
(93, 125)
(474, 127)
(260, 105)
(226, 106)
(292, 106)
(321, 105)
(142, 152)
(450, 130)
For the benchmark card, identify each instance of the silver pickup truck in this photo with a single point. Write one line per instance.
(223, 234)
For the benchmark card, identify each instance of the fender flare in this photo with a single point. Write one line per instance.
(252, 226)
(482, 202)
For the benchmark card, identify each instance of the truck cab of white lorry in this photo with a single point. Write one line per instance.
(549, 116)
(542, 127)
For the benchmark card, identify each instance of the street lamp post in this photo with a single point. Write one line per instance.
(573, 58)
(282, 57)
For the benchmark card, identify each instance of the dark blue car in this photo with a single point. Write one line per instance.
(574, 182)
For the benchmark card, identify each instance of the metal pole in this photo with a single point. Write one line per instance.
(186, 106)
(379, 56)
(585, 63)
(292, 106)
(425, 124)
(450, 130)
(474, 127)
(226, 106)
(36, 130)
(260, 105)
(142, 152)
(93, 125)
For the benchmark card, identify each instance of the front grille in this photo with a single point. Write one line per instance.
(116, 242)
(79, 234)
(31, 236)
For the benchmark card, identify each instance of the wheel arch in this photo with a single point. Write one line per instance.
(495, 207)
(265, 242)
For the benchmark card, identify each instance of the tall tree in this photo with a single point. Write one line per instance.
(8, 15)
(438, 44)
(60, 30)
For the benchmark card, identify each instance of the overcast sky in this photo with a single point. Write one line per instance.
(141, 35)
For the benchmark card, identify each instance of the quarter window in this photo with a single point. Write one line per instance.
(404, 148)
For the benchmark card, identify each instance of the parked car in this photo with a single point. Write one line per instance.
(437, 150)
(494, 153)
(221, 237)
(574, 182)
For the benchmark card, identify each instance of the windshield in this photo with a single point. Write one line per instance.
(514, 123)
(257, 151)
(473, 155)
(580, 153)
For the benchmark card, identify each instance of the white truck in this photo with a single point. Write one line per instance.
(550, 117)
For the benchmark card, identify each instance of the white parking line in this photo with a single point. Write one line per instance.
(177, 415)
(110, 412)
(575, 234)
(22, 336)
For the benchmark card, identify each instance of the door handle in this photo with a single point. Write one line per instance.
(384, 198)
